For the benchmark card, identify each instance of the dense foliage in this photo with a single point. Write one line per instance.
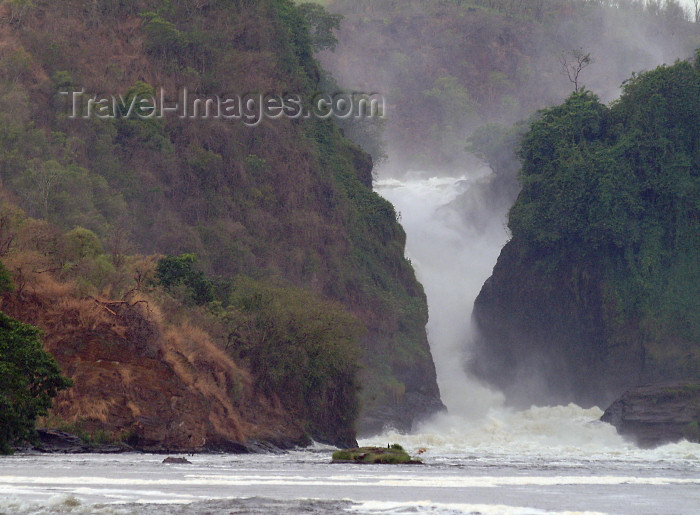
(29, 379)
(174, 271)
(5, 279)
(617, 190)
(300, 348)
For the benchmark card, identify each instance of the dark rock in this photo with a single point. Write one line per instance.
(656, 414)
(542, 335)
(54, 441)
(177, 461)
(413, 408)
(262, 447)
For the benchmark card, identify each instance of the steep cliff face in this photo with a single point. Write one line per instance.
(597, 291)
(542, 335)
(282, 200)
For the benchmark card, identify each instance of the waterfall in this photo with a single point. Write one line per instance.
(453, 256)
(454, 236)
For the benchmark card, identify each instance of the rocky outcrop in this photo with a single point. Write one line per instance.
(394, 455)
(656, 414)
(176, 461)
(53, 441)
(413, 408)
(542, 334)
(546, 334)
(597, 290)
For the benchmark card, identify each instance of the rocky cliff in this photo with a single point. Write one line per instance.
(542, 336)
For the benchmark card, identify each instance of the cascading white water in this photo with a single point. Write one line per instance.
(453, 256)
(452, 260)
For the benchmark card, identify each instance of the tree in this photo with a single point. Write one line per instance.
(321, 25)
(18, 8)
(573, 63)
(42, 181)
(300, 347)
(162, 35)
(29, 379)
(81, 243)
(5, 279)
(179, 271)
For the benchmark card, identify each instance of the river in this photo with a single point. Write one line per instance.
(482, 457)
(458, 477)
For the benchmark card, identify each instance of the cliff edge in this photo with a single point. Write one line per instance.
(597, 291)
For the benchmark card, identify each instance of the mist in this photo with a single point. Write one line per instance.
(446, 72)
(446, 69)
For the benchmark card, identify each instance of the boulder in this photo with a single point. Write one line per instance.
(177, 461)
(656, 414)
(53, 441)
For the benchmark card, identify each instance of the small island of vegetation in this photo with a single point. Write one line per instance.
(392, 455)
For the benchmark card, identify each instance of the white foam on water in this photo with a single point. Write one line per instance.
(544, 431)
(453, 508)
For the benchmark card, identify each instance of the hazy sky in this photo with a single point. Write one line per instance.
(687, 3)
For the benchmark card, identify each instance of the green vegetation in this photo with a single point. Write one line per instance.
(81, 243)
(322, 26)
(5, 279)
(29, 379)
(685, 391)
(616, 189)
(394, 455)
(173, 272)
(300, 347)
(78, 428)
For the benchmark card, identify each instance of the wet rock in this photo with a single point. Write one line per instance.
(53, 441)
(657, 414)
(414, 407)
(177, 461)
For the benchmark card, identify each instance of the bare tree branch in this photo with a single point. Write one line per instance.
(573, 62)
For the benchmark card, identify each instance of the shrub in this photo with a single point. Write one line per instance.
(81, 243)
(300, 347)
